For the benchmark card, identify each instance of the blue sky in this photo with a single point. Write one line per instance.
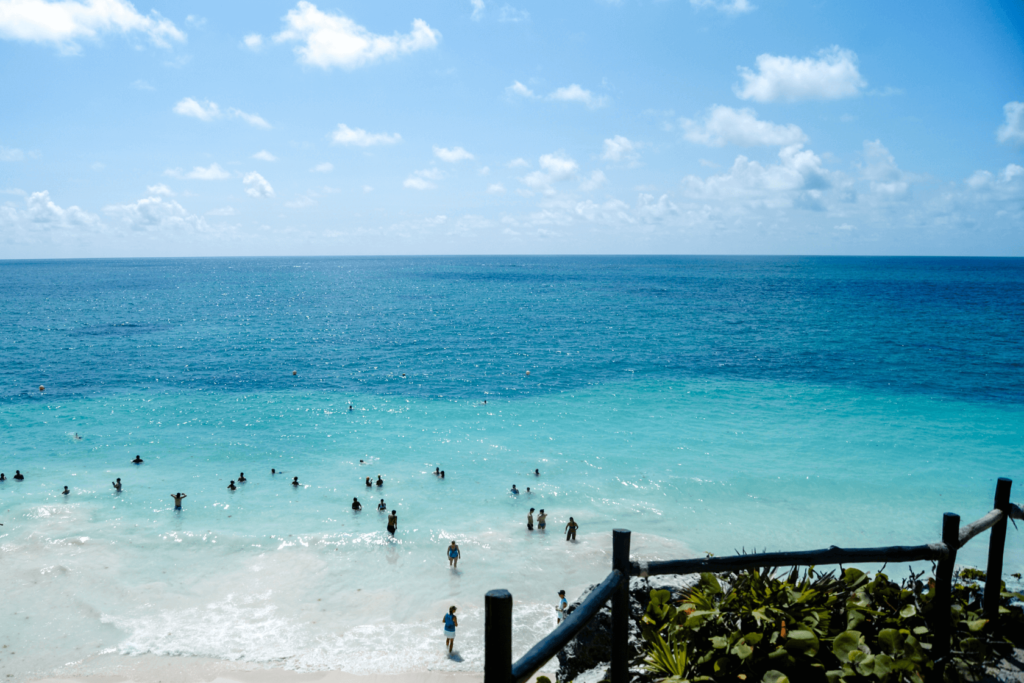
(486, 127)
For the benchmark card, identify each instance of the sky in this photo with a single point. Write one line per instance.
(486, 127)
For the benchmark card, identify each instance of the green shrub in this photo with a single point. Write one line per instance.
(823, 628)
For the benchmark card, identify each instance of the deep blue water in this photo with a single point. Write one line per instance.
(472, 326)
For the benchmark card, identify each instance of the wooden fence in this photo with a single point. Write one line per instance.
(499, 668)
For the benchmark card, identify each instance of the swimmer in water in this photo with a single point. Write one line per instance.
(116, 485)
(356, 505)
(137, 460)
(541, 520)
(454, 555)
(442, 474)
(18, 476)
(231, 486)
(272, 471)
(77, 437)
(437, 471)
(65, 491)
(382, 507)
(380, 482)
(528, 491)
(515, 491)
(3, 477)
(241, 477)
(536, 473)
(178, 497)
(369, 484)
(392, 522)
(350, 407)
(570, 530)
(529, 520)
(295, 482)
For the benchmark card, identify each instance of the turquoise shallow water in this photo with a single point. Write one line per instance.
(756, 441)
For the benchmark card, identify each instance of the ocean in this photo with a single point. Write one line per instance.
(708, 404)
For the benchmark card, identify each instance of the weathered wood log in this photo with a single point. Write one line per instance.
(497, 636)
(832, 555)
(940, 616)
(620, 607)
(969, 531)
(996, 543)
(550, 645)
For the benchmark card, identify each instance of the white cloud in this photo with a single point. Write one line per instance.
(208, 111)
(264, 155)
(881, 171)
(512, 15)
(214, 172)
(157, 215)
(478, 9)
(519, 89)
(484, 170)
(142, 85)
(63, 23)
(496, 188)
(725, 6)
(832, 76)
(558, 167)
(257, 186)
(330, 40)
(648, 210)
(554, 168)
(252, 119)
(519, 163)
(360, 138)
(775, 186)
(159, 188)
(253, 41)
(204, 112)
(41, 215)
(596, 180)
(725, 125)
(223, 211)
(11, 154)
(574, 93)
(619, 148)
(421, 180)
(1012, 129)
(325, 167)
(453, 155)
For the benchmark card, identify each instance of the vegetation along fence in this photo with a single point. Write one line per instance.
(499, 668)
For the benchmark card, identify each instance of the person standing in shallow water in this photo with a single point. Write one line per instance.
(356, 505)
(529, 520)
(454, 555)
(178, 497)
(116, 485)
(570, 530)
(450, 622)
(563, 605)
(382, 507)
(65, 492)
(542, 518)
(392, 522)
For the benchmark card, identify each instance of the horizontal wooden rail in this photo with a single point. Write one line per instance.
(969, 531)
(552, 643)
(833, 555)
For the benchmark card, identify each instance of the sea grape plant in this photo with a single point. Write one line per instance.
(849, 627)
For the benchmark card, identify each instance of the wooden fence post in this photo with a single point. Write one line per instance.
(943, 586)
(996, 541)
(620, 607)
(498, 636)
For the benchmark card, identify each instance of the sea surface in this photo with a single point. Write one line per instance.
(707, 404)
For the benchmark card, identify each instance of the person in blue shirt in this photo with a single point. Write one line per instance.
(450, 622)
(454, 555)
(563, 605)
(515, 491)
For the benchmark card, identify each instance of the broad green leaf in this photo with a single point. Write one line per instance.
(774, 677)
(801, 641)
(908, 611)
(742, 650)
(890, 640)
(719, 642)
(846, 643)
(976, 625)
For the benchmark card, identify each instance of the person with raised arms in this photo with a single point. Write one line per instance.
(116, 485)
(178, 497)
